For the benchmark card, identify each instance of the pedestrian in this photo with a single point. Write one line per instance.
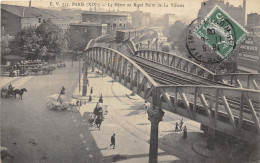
(113, 141)
(146, 106)
(62, 91)
(176, 127)
(90, 98)
(185, 132)
(91, 90)
(77, 102)
(181, 123)
(101, 98)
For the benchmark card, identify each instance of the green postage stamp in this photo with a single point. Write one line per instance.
(220, 32)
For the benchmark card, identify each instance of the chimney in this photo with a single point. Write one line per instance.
(244, 7)
(23, 11)
(30, 3)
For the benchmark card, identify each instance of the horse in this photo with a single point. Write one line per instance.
(48, 70)
(98, 121)
(91, 120)
(20, 92)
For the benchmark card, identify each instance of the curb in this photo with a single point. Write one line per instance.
(192, 146)
(131, 97)
(80, 97)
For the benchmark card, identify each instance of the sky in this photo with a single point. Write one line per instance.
(184, 8)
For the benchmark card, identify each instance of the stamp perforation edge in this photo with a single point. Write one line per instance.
(241, 39)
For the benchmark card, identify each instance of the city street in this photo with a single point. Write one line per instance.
(32, 133)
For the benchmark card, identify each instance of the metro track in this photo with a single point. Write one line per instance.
(177, 80)
(166, 78)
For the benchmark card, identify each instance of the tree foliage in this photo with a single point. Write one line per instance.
(52, 37)
(166, 47)
(175, 31)
(46, 39)
(4, 43)
(76, 41)
(26, 43)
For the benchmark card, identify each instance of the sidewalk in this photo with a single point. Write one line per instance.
(4, 80)
(128, 121)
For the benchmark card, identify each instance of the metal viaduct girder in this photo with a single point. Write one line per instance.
(175, 61)
(122, 69)
(186, 66)
(215, 112)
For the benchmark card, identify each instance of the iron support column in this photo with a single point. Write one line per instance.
(93, 67)
(210, 138)
(155, 115)
(85, 81)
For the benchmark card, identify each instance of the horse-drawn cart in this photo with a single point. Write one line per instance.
(57, 102)
(5, 92)
(10, 91)
(96, 117)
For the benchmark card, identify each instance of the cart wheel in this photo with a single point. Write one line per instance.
(59, 108)
(50, 105)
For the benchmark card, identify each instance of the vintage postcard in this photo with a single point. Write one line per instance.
(99, 81)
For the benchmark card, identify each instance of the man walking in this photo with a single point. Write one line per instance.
(91, 90)
(181, 123)
(113, 141)
(100, 98)
(176, 127)
(185, 132)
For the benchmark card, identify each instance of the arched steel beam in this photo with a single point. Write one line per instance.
(175, 61)
(122, 69)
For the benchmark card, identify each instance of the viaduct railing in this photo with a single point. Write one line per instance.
(122, 69)
(175, 61)
(233, 111)
(230, 110)
(242, 80)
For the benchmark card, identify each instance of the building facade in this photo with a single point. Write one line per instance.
(16, 18)
(140, 19)
(83, 32)
(253, 19)
(169, 19)
(114, 21)
(237, 13)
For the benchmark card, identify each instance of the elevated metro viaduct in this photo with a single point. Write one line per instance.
(208, 105)
(217, 106)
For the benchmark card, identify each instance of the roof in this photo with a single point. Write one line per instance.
(88, 24)
(23, 11)
(104, 13)
(13, 57)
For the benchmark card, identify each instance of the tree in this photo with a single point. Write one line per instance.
(175, 30)
(166, 48)
(181, 40)
(26, 43)
(76, 40)
(4, 43)
(47, 39)
(52, 37)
